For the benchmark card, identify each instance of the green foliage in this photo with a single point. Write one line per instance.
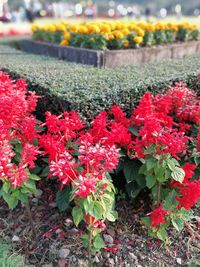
(8, 258)
(62, 198)
(95, 41)
(135, 181)
(89, 90)
(13, 196)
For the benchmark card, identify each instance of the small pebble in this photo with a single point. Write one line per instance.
(34, 200)
(179, 261)
(82, 263)
(15, 238)
(63, 253)
(96, 259)
(68, 222)
(38, 193)
(108, 239)
(111, 262)
(53, 205)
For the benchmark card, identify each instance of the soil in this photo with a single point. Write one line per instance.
(132, 247)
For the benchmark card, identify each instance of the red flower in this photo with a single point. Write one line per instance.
(17, 175)
(144, 110)
(189, 171)
(119, 115)
(94, 222)
(29, 155)
(64, 168)
(190, 194)
(85, 185)
(198, 141)
(157, 216)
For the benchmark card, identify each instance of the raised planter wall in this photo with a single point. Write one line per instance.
(113, 58)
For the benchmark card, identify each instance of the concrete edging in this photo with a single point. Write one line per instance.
(112, 58)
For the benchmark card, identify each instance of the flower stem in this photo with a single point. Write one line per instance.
(90, 248)
(158, 194)
(28, 210)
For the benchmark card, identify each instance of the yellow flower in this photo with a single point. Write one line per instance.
(60, 27)
(126, 44)
(140, 32)
(105, 28)
(64, 43)
(82, 29)
(118, 34)
(67, 36)
(73, 28)
(125, 31)
(34, 28)
(138, 39)
(92, 28)
(160, 26)
(110, 37)
(51, 28)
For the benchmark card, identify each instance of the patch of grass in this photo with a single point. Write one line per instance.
(8, 258)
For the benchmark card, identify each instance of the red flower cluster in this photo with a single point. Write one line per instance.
(157, 216)
(198, 141)
(157, 127)
(17, 129)
(189, 191)
(190, 194)
(78, 155)
(95, 223)
(185, 103)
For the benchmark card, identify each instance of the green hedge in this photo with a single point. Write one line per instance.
(65, 85)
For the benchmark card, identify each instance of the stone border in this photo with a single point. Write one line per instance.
(113, 58)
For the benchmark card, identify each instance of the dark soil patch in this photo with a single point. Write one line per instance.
(132, 247)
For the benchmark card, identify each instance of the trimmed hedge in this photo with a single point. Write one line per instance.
(65, 85)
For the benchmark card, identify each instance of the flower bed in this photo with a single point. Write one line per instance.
(112, 59)
(115, 34)
(91, 43)
(156, 149)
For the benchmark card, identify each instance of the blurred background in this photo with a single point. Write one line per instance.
(20, 13)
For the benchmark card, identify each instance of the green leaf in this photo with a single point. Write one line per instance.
(131, 170)
(34, 177)
(132, 174)
(178, 224)
(98, 242)
(150, 181)
(133, 189)
(162, 234)
(23, 197)
(77, 215)
(85, 238)
(10, 200)
(150, 163)
(171, 164)
(146, 221)
(45, 172)
(97, 210)
(170, 202)
(134, 130)
(30, 185)
(112, 216)
(160, 173)
(62, 198)
(178, 174)
(6, 187)
(36, 170)
(185, 215)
